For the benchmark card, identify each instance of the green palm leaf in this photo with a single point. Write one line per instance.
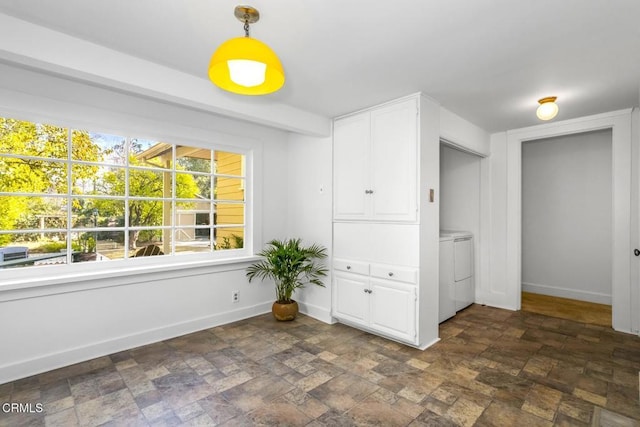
(291, 266)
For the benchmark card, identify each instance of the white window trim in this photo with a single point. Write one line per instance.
(94, 279)
(55, 275)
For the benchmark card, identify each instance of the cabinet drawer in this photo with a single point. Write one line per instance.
(356, 267)
(392, 272)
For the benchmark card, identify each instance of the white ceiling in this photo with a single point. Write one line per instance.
(486, 60)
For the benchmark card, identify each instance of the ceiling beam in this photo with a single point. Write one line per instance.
(53, 52)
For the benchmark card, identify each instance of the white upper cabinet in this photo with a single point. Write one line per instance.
(394, 152)
(351, 154)
(375, 164)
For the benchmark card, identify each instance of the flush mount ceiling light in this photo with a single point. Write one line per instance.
(245, 65)
(547, 109)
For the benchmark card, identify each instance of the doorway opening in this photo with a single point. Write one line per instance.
(566, 226)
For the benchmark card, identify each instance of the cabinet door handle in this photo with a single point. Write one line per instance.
(348, 267)
(391, 274)
(366, 291)
(370, 191)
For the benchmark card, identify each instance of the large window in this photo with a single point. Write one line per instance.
(69, 196)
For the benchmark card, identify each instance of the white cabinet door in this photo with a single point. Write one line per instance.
(350, 297)
(375, 158)
(393, 309)
(394, 160)
(351, 167)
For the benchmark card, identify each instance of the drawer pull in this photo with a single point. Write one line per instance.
(348, 267)
(390, 274)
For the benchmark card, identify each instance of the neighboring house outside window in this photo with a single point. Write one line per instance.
(69, 196)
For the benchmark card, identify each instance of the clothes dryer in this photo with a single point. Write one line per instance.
(460, 268)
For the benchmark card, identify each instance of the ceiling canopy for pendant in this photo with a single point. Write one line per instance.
(245, 65)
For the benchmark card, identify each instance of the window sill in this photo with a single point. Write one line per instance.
(29, 287)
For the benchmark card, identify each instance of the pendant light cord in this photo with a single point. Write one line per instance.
(246, 25)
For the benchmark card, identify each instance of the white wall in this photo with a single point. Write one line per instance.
(51, 326)
(309, 214)
(566, 216)
(459, 190)
(494, 289)
(429, 178)
(464, 134)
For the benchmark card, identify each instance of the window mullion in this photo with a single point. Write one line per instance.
(127, 144)
(212, 205)
(69, 196)
(174, 193)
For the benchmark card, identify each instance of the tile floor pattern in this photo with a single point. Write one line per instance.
(491, 368)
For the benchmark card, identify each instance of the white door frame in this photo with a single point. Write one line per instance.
(620, 123)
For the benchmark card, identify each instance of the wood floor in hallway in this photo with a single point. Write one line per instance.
(564, 308)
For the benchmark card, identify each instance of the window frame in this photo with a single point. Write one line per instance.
(82, 270)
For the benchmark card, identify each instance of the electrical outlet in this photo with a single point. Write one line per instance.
(235, 296)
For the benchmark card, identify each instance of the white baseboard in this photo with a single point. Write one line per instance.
(555, 291)
(429, 344)
(319, 313)
(494, 300)
(51, 361)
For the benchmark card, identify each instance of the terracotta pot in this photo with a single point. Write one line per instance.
(284, 312)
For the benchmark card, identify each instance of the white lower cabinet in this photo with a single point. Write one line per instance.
(351, 297)
(393, 309)
(376, 297)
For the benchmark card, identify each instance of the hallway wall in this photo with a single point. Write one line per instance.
(567, 216)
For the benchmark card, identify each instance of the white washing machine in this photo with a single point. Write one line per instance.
(457, 287)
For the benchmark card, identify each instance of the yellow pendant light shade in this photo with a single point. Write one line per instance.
(245, 65)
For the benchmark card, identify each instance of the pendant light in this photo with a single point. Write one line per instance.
(547, 109)
(245, 65)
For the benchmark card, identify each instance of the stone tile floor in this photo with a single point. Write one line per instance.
(492, 368)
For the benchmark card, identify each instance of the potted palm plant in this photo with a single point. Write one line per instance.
(291, 266)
